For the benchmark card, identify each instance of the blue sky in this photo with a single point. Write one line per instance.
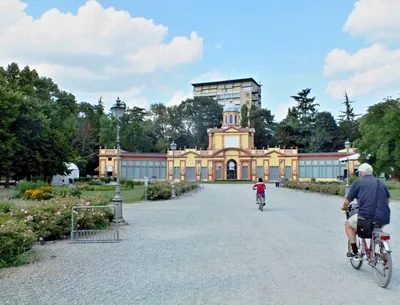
(281, 43)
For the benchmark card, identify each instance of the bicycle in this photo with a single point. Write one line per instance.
(374, 258)
(260, 202)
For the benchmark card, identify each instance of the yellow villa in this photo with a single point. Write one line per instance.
(231, 155)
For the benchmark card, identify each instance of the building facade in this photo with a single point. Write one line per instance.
(231, 155)
(245, 91)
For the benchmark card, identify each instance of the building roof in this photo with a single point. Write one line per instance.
(250, 79)
(231, 108)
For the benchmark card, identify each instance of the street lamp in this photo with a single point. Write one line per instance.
(173, 148)
(347, 146)
(118, 111)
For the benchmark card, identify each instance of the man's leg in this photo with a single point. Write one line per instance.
(263, 196)
(350, 227)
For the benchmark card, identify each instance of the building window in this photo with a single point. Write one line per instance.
(226, 119)
(141, 169)
(230, 119)
(204, 173)
(236, 119)
(319, 169)
(109, 159)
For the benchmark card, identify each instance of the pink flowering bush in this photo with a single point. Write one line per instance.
(332, 188)
(48, 220)
(15, 239)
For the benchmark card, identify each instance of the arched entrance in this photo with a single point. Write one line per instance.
(231, 170)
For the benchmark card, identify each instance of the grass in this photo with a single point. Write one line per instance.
(129, 196)
(395, 195)
(6, 193)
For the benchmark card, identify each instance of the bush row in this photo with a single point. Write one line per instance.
(47, 192)
(47, 220)
(332, 188)
(163, 190)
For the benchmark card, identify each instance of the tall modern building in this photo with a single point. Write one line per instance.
(244, 91)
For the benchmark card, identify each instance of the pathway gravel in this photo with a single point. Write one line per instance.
(213, 247)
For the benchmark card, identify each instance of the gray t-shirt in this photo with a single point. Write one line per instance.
(364, 190)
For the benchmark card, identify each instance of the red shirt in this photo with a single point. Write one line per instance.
(260, 187)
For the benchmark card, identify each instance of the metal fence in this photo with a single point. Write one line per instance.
(110, 235)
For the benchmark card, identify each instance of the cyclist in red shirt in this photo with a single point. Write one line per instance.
(260, 187)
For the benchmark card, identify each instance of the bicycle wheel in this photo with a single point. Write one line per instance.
(384, 262)
(355, 263)
(260, 203)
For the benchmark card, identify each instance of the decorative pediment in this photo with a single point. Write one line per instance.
(221, 152)
(190, 152)
(277, 152)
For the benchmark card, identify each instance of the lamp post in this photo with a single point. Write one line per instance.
(118, 111)
(173, 148)
(347, 146)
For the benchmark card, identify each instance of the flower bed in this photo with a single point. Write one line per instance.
(163, 190)
(46, 220)
(332, 188)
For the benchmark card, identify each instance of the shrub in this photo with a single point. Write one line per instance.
(15, 239)
(128, 184)
(43, 193)
(101, 188)
(67, 192)
(393, 185)
(6, 207)
(19, 228)
(159, 191)
(105, 179)
(163, 190)
(84, 179)
(96, 182)
(352, 178)
(332, 188)
(24, 185)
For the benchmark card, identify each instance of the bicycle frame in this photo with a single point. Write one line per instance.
(377, 234)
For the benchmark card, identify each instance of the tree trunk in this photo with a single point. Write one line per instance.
(7, 182)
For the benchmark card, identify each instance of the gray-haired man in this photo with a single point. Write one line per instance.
(365, 190)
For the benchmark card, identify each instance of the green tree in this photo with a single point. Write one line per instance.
(262, 120)
(198, 115)
(306, 111)
(244, 116)
(41, 122)
(379, 143)
(325, 133)
(287, 131)
(348, 122)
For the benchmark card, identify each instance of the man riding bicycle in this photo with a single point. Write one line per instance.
(260, 187)
(364, 190)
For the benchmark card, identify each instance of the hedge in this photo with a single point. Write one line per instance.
(163, 190)
(332, 188)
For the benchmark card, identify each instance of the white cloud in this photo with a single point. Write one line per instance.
(96, 49)
(367, 58)
(219, 45)
(215, 76)
(373, 68)
(280, 111)
(178, 97)
(377, 20)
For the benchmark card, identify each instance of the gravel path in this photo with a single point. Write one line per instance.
(213, 247)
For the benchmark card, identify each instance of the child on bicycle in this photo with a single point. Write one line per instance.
(260, 187)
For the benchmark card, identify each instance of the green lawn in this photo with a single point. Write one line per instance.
(129, 196)
(395, 194)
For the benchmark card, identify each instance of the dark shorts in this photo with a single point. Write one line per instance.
(262, 195)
